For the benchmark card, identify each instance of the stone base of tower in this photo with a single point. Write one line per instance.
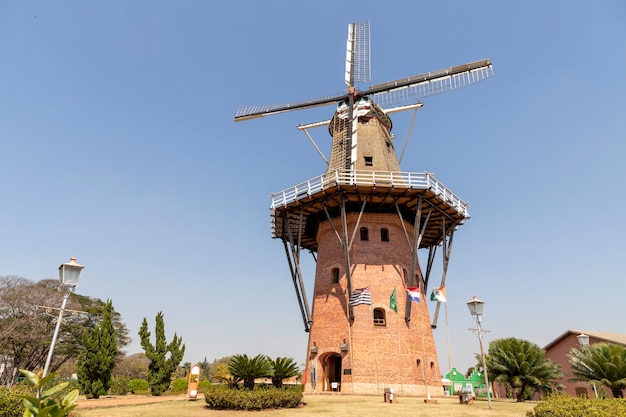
(406, 390)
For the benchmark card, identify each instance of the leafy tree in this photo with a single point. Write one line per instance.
(283, 368)
(183, 370)
(164, 357)
(249, 369)
(520, 365)
(215, 369)
(134, 366)
(222, 374)
(601, 363)
(26, 329)
(96, 362)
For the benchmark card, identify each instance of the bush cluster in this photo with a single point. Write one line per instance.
(139, 386)
(119, 386)
(221, 397)
(560, 405)
(10, 405)
(179, 385)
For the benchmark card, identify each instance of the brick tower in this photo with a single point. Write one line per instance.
(364, 221)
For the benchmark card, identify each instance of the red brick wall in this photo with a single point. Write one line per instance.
(378, 356)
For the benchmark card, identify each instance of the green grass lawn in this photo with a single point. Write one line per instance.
(323, 405)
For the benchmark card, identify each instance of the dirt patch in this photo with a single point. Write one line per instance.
(121, 400)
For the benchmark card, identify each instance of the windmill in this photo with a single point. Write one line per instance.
(364, 221)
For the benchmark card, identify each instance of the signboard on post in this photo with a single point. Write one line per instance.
(194, 380)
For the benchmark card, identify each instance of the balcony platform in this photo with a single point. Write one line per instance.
(304, 205)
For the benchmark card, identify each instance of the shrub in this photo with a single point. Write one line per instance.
(10, 405)
(179, 385)
(203, 385)
(72, 384)
(48, 403)
(119, 386)
(560, 405)
(138, 386)
(221, 397)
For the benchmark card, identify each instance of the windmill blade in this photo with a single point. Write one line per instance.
(252, 112)
(431, 83)
(358, 67)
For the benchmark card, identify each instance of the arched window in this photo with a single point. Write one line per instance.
(334, 276)
(432, 371)
(365, 234)
(384, 235)
(379, 317)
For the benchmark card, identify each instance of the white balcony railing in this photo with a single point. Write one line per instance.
(417, 180)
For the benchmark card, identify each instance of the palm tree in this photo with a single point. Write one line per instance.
(221, 374)
(249, 369)
(521, 365)
(602, 363)
(283, 368)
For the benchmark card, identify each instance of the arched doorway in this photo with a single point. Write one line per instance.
(332, 370)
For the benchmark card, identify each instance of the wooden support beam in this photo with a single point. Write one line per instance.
(447, 248)
(292, 250)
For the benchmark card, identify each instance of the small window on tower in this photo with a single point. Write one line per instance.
(369, 161)
(384, 235)
(335, 276)
(379, 317)
(432, 371)
(365, 234)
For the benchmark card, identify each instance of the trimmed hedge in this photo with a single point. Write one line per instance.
(221, 397)
(561, 405)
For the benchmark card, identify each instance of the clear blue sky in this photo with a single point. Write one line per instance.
(118, 147)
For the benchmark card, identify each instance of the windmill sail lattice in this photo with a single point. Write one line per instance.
(358, 63)
(389, 94)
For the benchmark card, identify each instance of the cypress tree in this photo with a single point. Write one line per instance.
(97, 360)
(164, 357)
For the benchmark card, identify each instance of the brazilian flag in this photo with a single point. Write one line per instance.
(393, 302)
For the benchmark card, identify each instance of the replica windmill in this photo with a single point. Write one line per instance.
(364, 221)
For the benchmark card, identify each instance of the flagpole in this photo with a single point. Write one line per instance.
(399, 340)
(448, 343)
(423, 348)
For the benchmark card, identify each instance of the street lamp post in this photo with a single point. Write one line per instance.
(583, 341)
(69, 275)
(476, 308)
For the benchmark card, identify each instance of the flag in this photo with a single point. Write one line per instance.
(360, 296)
(392, 301)
(413, 293)
(439, 294)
